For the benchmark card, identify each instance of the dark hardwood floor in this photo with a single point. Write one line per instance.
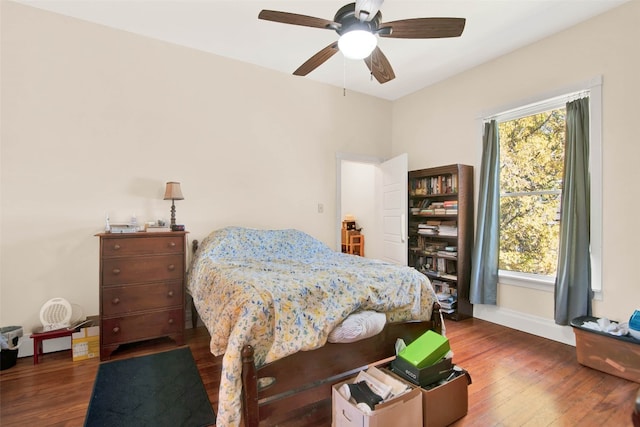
(518, 380)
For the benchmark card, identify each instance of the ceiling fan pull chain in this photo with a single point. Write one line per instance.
(371, 67)
(344, 76)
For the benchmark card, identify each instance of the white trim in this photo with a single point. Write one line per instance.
(348, 157)
(595, 172)
(527, 280)
(554, 99)
(525, 322)
(542, 98)
(48, 346)
(533, 281)
(358, 158)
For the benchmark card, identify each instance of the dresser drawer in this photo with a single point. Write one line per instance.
(141, 326)
(120, 300)
(117, 271)
(115, 247)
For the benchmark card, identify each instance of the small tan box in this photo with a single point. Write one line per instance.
(619, 356)
(446, 403)
(85, 344)
(404, 410)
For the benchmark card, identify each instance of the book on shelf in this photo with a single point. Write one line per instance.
(427, 229)
(448, 228)
(447, 254)
(439, 184)
(448, 305)
(444, 297)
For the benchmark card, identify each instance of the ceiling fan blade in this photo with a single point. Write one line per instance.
(316, 60)
(379, 66)
(296, 19)
(423, 28)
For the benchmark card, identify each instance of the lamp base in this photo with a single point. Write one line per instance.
(177, 227)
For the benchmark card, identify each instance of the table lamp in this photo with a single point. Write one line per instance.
(173, 193)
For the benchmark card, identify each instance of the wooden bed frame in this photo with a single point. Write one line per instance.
(306, 377)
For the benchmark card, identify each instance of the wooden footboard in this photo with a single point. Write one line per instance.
(306, 377)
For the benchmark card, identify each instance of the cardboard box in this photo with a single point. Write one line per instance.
(404, 410)
(446, 403)
(619, 356)
(429, 348)
(85, 344)
(425, 376)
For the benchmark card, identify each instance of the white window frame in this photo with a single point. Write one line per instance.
(546, 102)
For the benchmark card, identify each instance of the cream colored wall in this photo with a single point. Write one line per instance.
(96, 120)
(439, 125)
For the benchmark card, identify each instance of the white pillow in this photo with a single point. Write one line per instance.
(358, 326)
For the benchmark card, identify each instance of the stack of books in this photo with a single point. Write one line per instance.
(447, 302)
(451, 207)
(448, 228)
(428, 229)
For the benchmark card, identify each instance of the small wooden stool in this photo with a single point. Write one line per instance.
(38, 337)
(356, 244)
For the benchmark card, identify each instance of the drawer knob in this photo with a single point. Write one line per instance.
(171, 267)
(172, 244)
(170, 293)
(171, 321)
(116, 247)
(116, 329)
(115, 301)
(116, 271)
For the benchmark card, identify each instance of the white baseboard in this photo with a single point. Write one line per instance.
(62, 343)
(48, 346)
(524, 322)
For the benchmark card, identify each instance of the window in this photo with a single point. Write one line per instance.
(531, 167)
(530, 213)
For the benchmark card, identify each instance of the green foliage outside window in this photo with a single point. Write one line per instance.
(531, 163)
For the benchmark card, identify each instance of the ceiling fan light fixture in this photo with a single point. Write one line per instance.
(357, 44)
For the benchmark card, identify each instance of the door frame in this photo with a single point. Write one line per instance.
(349, 157)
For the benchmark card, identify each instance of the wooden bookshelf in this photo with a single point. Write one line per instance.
(440, 227)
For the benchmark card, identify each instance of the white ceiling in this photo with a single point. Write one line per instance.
(232, 29)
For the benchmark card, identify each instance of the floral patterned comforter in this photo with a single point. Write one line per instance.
(283, 291)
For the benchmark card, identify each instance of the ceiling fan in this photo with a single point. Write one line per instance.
(362, 21)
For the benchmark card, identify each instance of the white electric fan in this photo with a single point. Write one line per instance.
(58, 313)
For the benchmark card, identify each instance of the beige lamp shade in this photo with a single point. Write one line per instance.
(173, 191)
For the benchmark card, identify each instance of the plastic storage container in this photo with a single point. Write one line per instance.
(9, 343)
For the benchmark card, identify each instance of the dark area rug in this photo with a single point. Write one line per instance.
(162, 389)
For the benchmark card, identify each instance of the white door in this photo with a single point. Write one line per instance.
(393, 205)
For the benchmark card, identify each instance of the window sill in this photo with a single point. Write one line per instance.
(534, 281)
(527, 280)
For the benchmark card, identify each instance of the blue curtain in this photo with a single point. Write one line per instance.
(484, 264)
(573, 280)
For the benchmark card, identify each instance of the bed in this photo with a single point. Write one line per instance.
(271, 298)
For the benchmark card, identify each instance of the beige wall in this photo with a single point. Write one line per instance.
(439, 125)
(96, 120)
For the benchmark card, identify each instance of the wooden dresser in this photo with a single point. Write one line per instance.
(141, 288)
